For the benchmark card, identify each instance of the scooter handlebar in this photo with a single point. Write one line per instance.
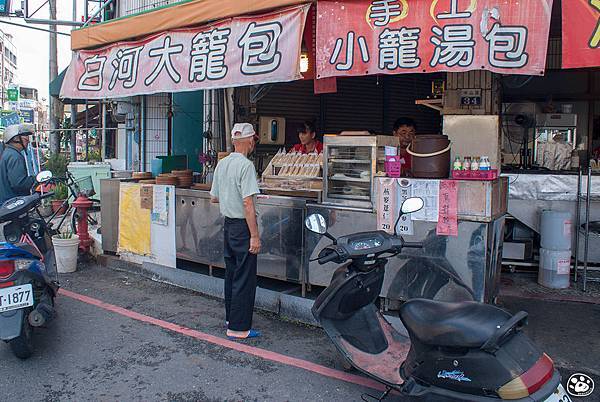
(409, 244)
(328, 258)
(47, 195)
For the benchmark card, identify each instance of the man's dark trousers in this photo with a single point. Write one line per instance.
(240, 275)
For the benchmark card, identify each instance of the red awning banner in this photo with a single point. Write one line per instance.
(234, 52)
(581, 33)
(363, 37)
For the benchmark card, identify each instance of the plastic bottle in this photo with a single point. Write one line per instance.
(467, 163)
(457, 165)
(475, 164)
(485, 163)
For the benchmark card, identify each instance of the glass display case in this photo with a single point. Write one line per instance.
(351, 163)
(554, 128)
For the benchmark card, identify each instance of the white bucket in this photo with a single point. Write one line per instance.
(556, 230)
(66, 254)
(555, 267)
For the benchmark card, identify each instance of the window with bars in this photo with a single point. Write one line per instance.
(156, 128)
(129, 7)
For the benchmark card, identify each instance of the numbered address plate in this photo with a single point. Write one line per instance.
(16, 297)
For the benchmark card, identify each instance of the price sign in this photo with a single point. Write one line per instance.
(405, 225)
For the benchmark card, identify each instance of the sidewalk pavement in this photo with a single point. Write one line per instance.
(568, 332)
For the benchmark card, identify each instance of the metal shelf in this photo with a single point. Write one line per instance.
(584, 199)
(353, 161)
(350, 197)
(350, 180)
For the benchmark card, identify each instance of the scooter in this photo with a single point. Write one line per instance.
(465, 351)
(28, 278)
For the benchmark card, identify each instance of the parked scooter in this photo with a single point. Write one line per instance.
(28, 278)
(465, 351)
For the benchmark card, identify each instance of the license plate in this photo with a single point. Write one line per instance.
(560, 395)
(16, 297)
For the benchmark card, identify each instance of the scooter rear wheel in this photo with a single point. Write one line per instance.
(22, 347)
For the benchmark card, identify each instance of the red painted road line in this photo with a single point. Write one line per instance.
(240, 347)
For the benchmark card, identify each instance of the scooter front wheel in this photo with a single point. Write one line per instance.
(22, 346)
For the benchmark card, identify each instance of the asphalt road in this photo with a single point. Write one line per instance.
(90, 353)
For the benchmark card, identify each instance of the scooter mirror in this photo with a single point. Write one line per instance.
(316, 223)
(411, 205)
(43, 176)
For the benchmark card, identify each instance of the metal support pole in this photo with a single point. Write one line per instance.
(56, 109)
(106, 4)
(87, 132)
(73, 134)
(577, 224)
(587, 227)
(53, 22)
(34, 28)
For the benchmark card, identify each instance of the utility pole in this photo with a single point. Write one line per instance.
(56, 106)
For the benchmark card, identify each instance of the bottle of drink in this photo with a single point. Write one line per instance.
(457, 165)
(475, 164)
(467, 163)
(485, 163)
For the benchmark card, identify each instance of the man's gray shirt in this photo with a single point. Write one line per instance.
(234, 180)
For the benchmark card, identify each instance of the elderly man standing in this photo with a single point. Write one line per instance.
(234, 187)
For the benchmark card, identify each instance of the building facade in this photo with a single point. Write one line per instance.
(8, 66)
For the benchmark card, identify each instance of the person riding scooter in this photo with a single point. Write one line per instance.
(14, 179)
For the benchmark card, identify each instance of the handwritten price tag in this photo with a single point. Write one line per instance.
(448, 209)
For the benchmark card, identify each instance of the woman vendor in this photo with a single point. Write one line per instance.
(308, 140)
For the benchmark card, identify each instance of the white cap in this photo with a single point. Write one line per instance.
(242, 130)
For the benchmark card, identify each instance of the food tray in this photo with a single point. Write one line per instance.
(475, 174)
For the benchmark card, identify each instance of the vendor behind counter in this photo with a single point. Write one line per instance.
(309, 143)
(405, 129)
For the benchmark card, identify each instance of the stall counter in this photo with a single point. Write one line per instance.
(465, 267)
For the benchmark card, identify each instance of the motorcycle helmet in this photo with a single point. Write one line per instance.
(17, 130)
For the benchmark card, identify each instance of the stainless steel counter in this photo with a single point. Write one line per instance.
(466, 267)
(280, 220)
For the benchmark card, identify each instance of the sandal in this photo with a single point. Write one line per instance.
(252, 334)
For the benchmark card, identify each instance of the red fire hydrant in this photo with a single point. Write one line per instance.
(82, 203)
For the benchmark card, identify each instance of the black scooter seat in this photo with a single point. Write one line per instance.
(465, 324)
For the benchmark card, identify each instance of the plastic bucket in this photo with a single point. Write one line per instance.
(555, 267)
(430, 156)
(556, 230)
(66, 254)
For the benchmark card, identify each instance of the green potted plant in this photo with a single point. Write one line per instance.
(66, 245)
(57, 164)
(61, 193)
(94, 156)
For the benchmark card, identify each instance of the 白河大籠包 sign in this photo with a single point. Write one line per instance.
(235, 52)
